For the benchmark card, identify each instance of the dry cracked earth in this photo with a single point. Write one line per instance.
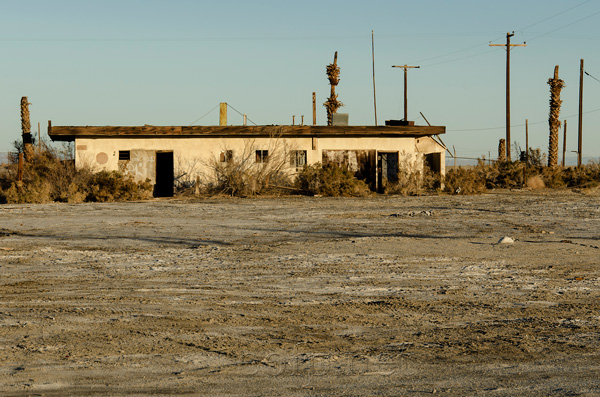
(297, 296)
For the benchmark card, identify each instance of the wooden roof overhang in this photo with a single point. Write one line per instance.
(70, 133)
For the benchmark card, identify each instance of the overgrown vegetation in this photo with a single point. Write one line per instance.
(330, 179)
(50, 176)
(414, 177)
(518, 174)
(253, 171)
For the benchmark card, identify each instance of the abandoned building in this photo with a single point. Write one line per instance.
(163, 154)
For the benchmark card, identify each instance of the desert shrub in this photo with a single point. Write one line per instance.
(586, 176)
(330, 179)
(465, 181)
(553, 177)
(114, 186)
(245, 174)
(536, 157)
(414, 177)
(510, 175)
(535, 182)
(51, 176)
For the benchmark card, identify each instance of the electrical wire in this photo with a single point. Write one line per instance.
(555, 15)
(564, 26)
(519, 125)
(457, 59)
(520, 30)
(195, 121)
(241, 114)
(591, 76)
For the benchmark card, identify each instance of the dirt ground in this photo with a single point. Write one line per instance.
(303, 295)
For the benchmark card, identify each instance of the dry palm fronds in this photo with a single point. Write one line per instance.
(502, 150)
(332, 104)
(26, 127)
(556, 85)
(25, 122)
(333, 73)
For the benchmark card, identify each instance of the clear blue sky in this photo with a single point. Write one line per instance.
(135, 62)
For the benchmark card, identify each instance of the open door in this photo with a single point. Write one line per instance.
(387, 169)
(434, 162)
(164, 175)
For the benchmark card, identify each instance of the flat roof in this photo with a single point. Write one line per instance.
(69, 133)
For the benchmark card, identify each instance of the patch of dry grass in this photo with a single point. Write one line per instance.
(49, 176)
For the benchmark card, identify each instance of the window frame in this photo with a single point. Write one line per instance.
(262, 156)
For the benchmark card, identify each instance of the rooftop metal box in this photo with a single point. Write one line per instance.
(340, 119)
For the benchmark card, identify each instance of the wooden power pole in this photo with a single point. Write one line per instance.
(526, 142)
(580, 124)
(405, 67)
(508, 46)
(374, 93)
(564, 145)
(314, 99)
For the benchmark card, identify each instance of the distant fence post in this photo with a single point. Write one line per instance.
(20, 168)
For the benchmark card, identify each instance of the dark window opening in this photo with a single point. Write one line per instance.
(262, 156)
(124, 155)
(226, 156)
(434, 162)
(298, 159)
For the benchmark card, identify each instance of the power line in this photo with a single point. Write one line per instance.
(459, 59)
(520, 30)
(555, 15)
(592, 77)
(207, 113)
(564, 26)
(241, 114)
(518, 125)
(450, 53)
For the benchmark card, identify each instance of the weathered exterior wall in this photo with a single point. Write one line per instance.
(429, 145)
(194, 156)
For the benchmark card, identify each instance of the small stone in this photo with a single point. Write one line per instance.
(506, 240)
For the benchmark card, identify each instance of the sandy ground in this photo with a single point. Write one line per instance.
(296, 296)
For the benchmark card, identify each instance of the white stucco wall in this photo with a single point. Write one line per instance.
(194, 155)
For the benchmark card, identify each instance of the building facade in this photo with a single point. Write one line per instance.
(166, 155)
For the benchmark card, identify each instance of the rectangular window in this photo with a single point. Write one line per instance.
(262, 156)
(124, 155)
(226, 156)
(298, 159)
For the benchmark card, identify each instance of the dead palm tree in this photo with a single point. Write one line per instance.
(332, 104)
(556, 85)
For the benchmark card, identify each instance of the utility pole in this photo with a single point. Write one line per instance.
(580, 126)
(508, 46)
(564, 145)
(526, 142)
(314, 99)
(374, 93)
(405, 67)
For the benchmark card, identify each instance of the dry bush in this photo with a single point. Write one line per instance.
(465, 181)
(553, 177)
(587, 176)
(535, 182)
(51, 176)
(331, 179)
(510, 175)
(186, 173)
(414, 177)
(243, 174)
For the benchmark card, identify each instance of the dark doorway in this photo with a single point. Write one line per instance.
(434, 162)
(387, 169)
(164, 175)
